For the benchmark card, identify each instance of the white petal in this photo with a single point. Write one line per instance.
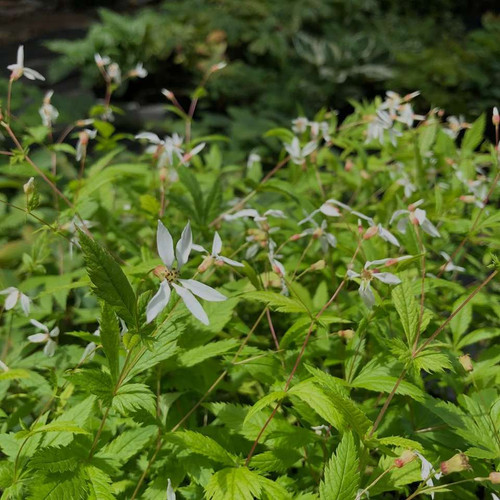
(170, 491)
(158, 302)
(397, 214)
(54, 332)
(332, 241)
(20, 56)
(197, 149)
(183, 247)
(8, 290)
(231, 262)
(420, 215)
(275, 213)
(247, 212)
(217, 244)
(366, 294)
(387, 236)
(192, 304)
(203, 291)
(198, 248)
(165, 245)
(388, 278)
(330, 210)
(153, 138)
(401, 225)
(50, 348)
(351, 274)
(429, 228)
(89, 352)
(25, 303)
(36, 323)
(11, 300)
(31, 74)
(38, 337)
(309, 148)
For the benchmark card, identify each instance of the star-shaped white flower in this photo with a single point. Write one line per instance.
(139, 71)
(449, 266)
(45, 337)
(13, 296)
(319, 232)
(169, 275)
(18, 69)
(214, 256)
(297, 153)
(417, 217)
(367, 275)
(427, 472)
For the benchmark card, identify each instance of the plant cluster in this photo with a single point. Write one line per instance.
(316, 324)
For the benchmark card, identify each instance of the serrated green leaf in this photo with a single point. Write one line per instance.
(133, 397)
(232, 484)
(268, 399)
(408, 310)
(277, 302)
(201, 353)
(110, 339)
(341, 479)
(474, 135)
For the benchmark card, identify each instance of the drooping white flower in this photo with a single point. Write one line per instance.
(165, 149)
(449, 266)
(18, 69)
(427, 472)
(185, 288)
(299, 125)
(13, 297)
(83, 139)
(139, 71)
(417, 217)
(90, 349)
(319, 232)
(367, 275)
(297, 153)
(101, 61)
(214, 256)
(115, 73)
(45, 337)
(48, 112)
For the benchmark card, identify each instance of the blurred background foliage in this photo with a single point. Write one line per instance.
(285, 57)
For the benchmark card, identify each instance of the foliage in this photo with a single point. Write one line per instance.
(330, 339)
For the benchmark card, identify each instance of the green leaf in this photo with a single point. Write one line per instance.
(110, 339)
(341, 480)
(408, 310)
(277, 302)
(268, 399)
(474, 136)
(71, 484)
(203, 445)
(201, 353)
(461, 321)
(56, 459)
(99, 484)
(189, 180)
(133, 397)
(109, 282)
(213, 202)
(60, 426)
(233, 484)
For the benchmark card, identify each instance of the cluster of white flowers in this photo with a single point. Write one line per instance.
(394, 109)
(417, 217)
(46, 337)
(112, 71)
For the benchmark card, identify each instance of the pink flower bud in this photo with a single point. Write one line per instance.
(406, 457)
(370, 232)
(207, 262)
(496, 117)
(348, 165)
(295, 237)
(494, 477)
(346, 334)
(468, 198)
(457, 463)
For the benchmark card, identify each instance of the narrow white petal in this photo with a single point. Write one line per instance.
(25, 303)
(275, 213)
(158, 302)
(165, 245)
(217, 244)
(191, 303)
(247, 212)
(330, 238)
(388, 278)
(183, 247)
(309, 148)
(20, 56)
(366, 294)
(170, 491)
(420, 215)
(387, 236)
(231, 262)
(397, 214)
(198, 248)
(38, 337)
(203, 291)
(50, 348)
(11, 300)
(330, 210)
(36, 323)
(197, 149)
(351, 274)
(54, 332)
(31, 74)
(153, 138)
(8, 290)
(429, 228)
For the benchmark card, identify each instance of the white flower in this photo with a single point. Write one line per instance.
(253, 158)
(139, 71)
(299, 125)
(115, 73)
(45, 336)
(18, 69)
(368, 275)
(381, 122)
(318, 429)
(170, 490)
(83, 139)
(101, 61)
(417, 217)
(455, 125)
(185, 288)
(253, 214)
(47, 112)
(164, 150)
(319, 232)
(214, 256)
(427, 472)
(298, 154)
(89, 351)
(13, 296)
(449, 266)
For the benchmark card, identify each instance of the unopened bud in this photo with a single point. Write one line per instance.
(217, 67)
(207, 262)
(168, 94)
(469, 198)
(29, 187)
(457, 463)
(159, 271)
(391, 262)
(295, 237)
(83, 137)
(466, 362)
(370, 232)
(348, 165)
(364, 175)
(317, 266)
(494, 477)
(163, 174)
(317, 233)
(496, 117)
(406, 457)
(346, 334)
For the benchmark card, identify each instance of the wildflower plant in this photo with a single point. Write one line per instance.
(324, 327)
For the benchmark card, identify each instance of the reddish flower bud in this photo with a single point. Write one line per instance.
(295, 237)
(496, 117)
(406, 457)
(494, 477)
(346, 334)
(207, 262)
(370, 232)
(457, 463)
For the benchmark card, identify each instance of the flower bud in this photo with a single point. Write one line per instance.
(496, 117)
(346, 334)
(159, 271)
(370, 232)
(469, 198)
(29, 187)
(406, 457)
(466, 362)
(163, 174)
(207, 262)
(168, 94)
(348, 165)
(457, 463)
(494, 477)
(295, 237)
(317, 266)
